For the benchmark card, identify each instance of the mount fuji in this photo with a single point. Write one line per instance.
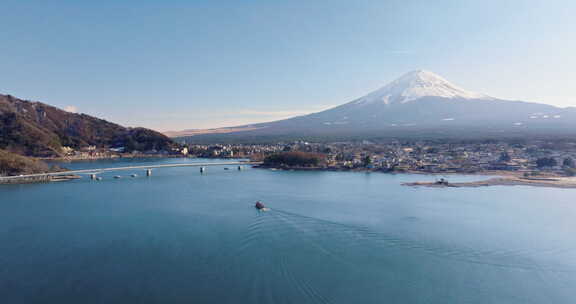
(415, 85)
(420, 103)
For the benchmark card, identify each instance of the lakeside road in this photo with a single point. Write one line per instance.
(551, 182)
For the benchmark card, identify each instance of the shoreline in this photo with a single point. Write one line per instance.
(332, 169)
(549, 182)
(40, 179)
(499, 178)
(114, 156)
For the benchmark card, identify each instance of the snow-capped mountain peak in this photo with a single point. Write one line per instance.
(415, 85)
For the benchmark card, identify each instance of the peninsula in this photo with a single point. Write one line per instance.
(550, 182)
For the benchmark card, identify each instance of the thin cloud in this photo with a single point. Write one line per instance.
(71, 109)
(208, 119)
(281, 113)
(269, 113)
(401, 52)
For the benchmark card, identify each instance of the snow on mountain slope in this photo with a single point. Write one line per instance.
(415, 85)
(423, 103)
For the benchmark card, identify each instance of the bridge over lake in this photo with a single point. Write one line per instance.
(47, 176)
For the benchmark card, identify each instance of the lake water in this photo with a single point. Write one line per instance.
(330, 237)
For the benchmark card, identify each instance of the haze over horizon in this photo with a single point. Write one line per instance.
(186, 65)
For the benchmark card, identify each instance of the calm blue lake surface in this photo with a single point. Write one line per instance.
(330, 237)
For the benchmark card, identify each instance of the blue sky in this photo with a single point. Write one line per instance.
(172, 65)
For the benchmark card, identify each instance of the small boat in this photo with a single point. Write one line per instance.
(134, 175)
(226, 168)
(259, 205)
(117, 176)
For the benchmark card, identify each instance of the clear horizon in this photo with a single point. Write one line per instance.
(190, 65)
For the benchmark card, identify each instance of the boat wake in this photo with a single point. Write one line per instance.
(333, 238)
(281, 250)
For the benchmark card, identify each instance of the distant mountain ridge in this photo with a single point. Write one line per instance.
(37, 129)
(417, 103)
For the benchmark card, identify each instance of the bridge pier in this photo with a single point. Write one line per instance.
(53, 176)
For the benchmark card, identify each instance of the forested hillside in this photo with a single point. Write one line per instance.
(37, 129)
